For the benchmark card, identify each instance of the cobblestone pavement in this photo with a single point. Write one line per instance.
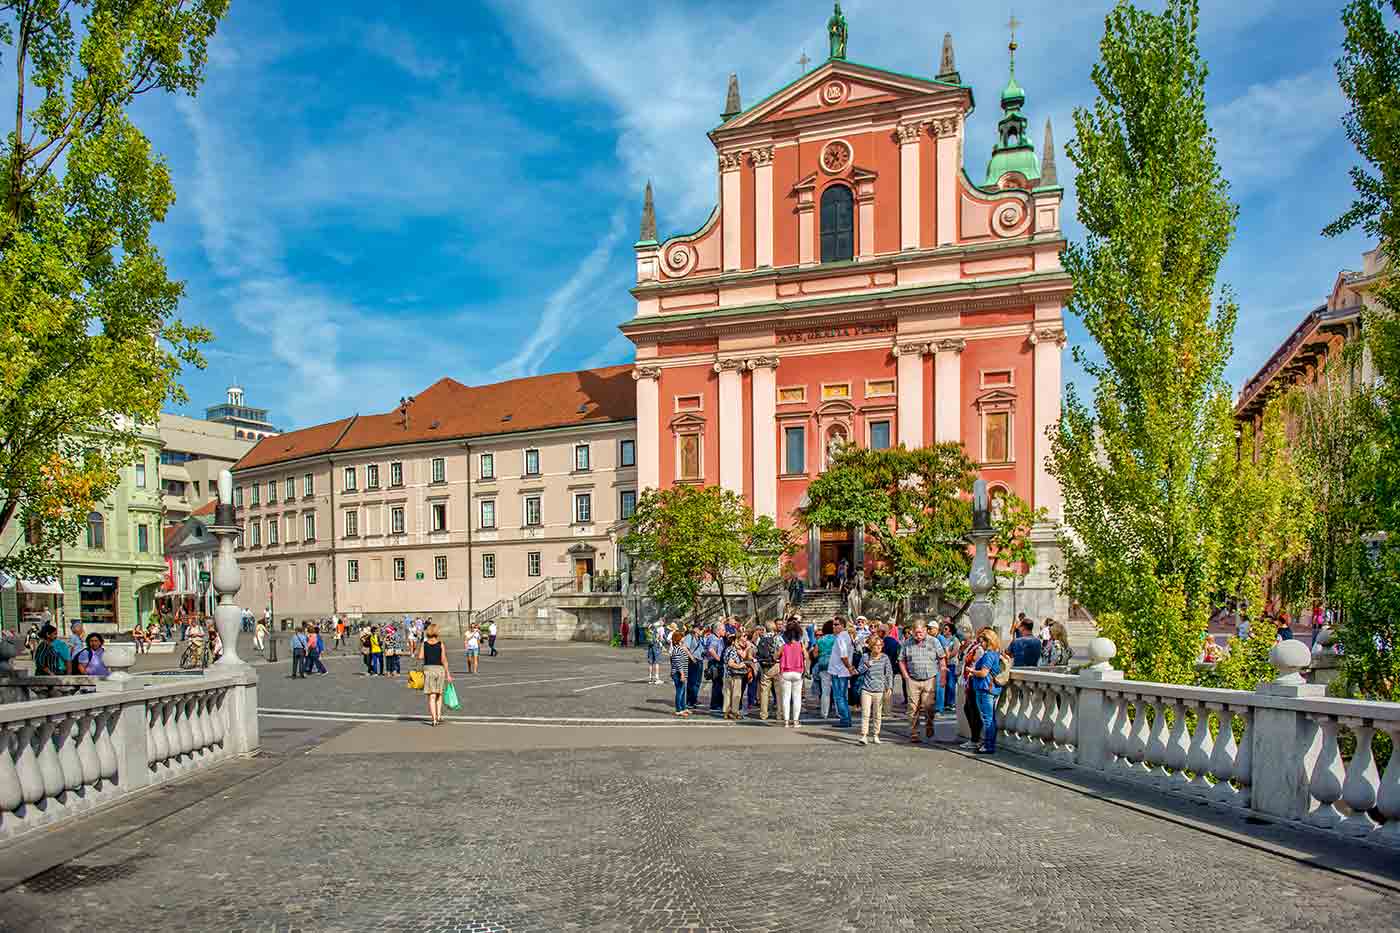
(391, 825)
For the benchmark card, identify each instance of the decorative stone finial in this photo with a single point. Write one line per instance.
(1048, 175)
(836, 32)
(1290, 658)
(1101, 652)
(947, 67)
(648, 232)
(732, 107)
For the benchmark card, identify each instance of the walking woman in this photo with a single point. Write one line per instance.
(473, 646)
(952, 649)
(681, 659)
(654, 660)
(376, 651)
(985, 689)
(876, 675)
(971, 710)
(792, 660)
(436, 673)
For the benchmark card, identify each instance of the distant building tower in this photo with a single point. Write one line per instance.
(248, 422)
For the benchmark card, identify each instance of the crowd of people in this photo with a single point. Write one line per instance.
(382, 646)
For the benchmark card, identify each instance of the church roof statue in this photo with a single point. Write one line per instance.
(836, 32)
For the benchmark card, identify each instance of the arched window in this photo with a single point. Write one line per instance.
(96, 532)
(838, 224)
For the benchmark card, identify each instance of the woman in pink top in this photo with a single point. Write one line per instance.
(791, 663)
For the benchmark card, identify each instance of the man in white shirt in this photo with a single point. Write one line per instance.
(842, 669)
(491, 638)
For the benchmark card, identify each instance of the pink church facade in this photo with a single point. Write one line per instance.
(854, 285)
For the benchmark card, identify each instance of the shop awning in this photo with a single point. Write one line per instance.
(41, 587)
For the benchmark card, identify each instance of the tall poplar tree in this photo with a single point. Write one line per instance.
(1142, 466)
(89, 343)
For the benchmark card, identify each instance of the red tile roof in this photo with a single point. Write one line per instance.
(449, 410)
(206, 509)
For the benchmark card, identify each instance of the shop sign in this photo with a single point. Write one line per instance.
(97, 583)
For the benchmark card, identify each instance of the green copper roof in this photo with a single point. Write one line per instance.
(1013, 92)
(1021, 159)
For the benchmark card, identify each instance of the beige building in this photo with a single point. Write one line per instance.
(461, 497)
(194, 451)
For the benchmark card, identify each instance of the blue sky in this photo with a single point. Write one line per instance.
(367, 204)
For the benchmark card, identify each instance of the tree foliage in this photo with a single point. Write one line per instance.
(763, 548)
(913, 506)
(686, 537)
(89, 343)
(1011, 551)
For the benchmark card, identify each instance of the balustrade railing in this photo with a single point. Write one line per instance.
(1285, 749)
(63, 757)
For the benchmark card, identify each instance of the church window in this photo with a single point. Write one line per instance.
(838, 224)
(996, 437)
(689, 456)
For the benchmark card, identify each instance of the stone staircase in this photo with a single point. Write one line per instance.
(820, 605)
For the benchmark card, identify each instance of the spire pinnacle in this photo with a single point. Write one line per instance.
(1012, 46)
(732, 107)
(648, 232)
(947, 67)
(1048, 175)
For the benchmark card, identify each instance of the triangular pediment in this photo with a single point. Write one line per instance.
(837, 85)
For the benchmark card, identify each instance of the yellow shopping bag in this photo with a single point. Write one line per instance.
(415, 680)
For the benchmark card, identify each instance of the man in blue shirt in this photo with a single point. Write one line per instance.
(714, 651)
(1025, 647)
(695, 668)
(299, 643)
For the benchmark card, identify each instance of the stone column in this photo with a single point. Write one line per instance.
(648, 427)
(806, 228)
(1282, 750)
(909, 135)
(765, 436)
(947, 166)
(731, 424)
(763, 206)
(947, 389)
(731, 216)
(1049, 342)
(909, 365)
(1093, 712)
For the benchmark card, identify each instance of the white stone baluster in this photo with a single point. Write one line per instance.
(1244, 760)
(1362, 781)
(48, 757)
(1045, 729)
(11, 793)
(1198, 755)
(105, 721)
(72, 768)
(87, 749)
(217, 719)
(1118, 733)
(1222, 754)
(1178, 748)
(1138, 766)
(182, 725)
(31, 779)
(1388, 794)
(1011, 724)
(160, 737)
(1064, 726)
(170, 711)
(201, 736)
(1327, 776)
(1157, 745)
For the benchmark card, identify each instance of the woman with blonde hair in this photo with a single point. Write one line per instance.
(985, 689)
(436, 674)
(1057, 651)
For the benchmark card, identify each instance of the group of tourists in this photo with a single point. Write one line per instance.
(846, 664)
(79, 653)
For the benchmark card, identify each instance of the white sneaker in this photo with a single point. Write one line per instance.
(865, 741)
(877, 740)
(968, 746)
(797, 725)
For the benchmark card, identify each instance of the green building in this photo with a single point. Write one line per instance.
(109, 577)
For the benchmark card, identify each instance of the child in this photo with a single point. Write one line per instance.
(876, 676)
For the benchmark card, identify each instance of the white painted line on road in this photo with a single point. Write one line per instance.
(599, 686)
(336, 716)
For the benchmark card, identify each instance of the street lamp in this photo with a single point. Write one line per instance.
(271, 571)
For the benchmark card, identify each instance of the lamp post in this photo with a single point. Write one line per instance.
(271, 571)
(226, 579)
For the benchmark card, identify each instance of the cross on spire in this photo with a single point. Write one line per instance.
(1013, 24)
(804, 61)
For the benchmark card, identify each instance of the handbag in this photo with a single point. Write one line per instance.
(1003, 677)
(449, 696)
(713, 669)
(415, 680)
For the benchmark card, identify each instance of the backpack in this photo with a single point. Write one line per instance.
(768, 649)
(1003, 677)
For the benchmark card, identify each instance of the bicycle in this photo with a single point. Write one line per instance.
(195, 656)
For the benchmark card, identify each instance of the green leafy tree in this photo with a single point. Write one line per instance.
(1369, 73)
(764, 548)
(686, 537)
(1011, 551)
(912, 505)
(1138, 467)
(89, 343)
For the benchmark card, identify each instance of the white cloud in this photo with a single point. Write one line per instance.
(404, 51)
(1270, 132)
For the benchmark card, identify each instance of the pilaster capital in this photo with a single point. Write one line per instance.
(950, 345)
(945, 126)
(646, 372)
(908, 133)
(762, 362)
(1053, 334)
(912, 349)
(729, 365)
(731, 161)
(762, 156)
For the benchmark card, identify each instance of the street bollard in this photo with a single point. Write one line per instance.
(271, 647)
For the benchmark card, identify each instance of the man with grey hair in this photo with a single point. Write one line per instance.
(922, 661)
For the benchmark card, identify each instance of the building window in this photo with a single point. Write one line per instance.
(396, 474)
(143, 538)
(349, 479)
(581, 459)
(141, 474)
(532, 462)
(309, 526)
(996, 437)
(396, 520)
(352, 524)
(583, 507)
(273, 526)
(838, 224)
(488, 466)
(352, 571)
(400, 570)
(439, 470)
(256, 490)
(627, 503)
(488, 565)
(372, 476)
(439, 516)
(689, 459)
(532, 563)
(308, 485)
(488, 513)
(271, 492)
(792, 395)
(311, 574)
(440, 567)
(794, 450)
(879, 435)
(289, 488)
(257, 534)
(689, 403)
(836, 390)
(238, 497)
(96, 532)
(627, 454)
(996, 377)
(532, 511)
(878, 388)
